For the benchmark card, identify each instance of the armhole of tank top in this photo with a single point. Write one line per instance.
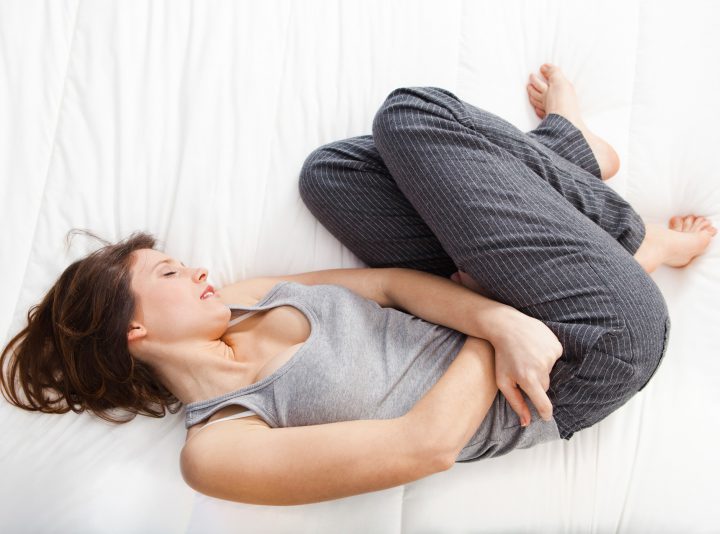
(246, 413)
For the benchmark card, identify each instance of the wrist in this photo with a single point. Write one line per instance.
(496, 323)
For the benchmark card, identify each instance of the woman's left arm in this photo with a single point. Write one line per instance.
(441, 301)
(525, 348)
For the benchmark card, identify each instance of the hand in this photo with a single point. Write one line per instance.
(525, 352)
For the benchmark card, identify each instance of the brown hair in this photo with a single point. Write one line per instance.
(75, 343)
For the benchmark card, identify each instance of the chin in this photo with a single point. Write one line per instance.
(220, 325)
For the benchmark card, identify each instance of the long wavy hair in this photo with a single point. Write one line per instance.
(75, 343)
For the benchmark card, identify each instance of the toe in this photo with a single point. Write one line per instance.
(675, 223)
(687, 223)
(538, 84)
(534, 92)
(548, 70)
(535, 101)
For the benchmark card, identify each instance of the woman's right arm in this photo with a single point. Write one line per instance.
(306, 464)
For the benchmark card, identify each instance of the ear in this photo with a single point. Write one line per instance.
(136, 331)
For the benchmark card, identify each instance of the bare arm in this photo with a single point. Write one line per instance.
(307, 464)
(441, 301)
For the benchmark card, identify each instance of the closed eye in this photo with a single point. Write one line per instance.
(169, 273)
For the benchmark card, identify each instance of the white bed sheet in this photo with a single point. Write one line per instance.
(191, 120)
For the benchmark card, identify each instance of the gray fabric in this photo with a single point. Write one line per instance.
(363, 361)
(442, 185)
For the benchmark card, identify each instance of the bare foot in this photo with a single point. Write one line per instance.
(553, 93)
(685, 238)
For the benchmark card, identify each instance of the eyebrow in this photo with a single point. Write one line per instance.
(164, 261)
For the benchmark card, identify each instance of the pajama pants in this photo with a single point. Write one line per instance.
(442, 185)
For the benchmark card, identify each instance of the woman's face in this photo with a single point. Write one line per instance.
(168, 303)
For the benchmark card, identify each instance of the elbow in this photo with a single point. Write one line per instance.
(187, 469)
(446, 461)
(432, 459)
(437, 454)
(441, 459)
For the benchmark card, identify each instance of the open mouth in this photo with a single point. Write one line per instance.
(209, 292)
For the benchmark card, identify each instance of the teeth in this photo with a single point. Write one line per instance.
(208, 294)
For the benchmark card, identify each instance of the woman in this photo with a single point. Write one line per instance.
(346, 393)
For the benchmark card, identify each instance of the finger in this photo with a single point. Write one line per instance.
(517, 403)
(541, 401)
(545, 382)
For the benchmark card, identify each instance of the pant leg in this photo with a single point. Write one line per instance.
(577, 177)
(567, 141)
(493, 200)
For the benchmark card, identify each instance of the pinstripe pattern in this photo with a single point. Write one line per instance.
(442, 185)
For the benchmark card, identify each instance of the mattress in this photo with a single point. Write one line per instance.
(191, 120)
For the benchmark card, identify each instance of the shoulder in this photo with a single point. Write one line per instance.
(201, 442)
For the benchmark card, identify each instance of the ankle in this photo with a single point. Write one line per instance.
(652, 251)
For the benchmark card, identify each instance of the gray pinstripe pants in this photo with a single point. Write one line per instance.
(442, 185)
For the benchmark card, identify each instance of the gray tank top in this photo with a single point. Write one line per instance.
(360, 361)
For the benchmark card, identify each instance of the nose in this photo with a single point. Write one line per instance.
(200, 274)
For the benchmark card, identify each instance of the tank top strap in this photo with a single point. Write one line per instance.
(269, 296)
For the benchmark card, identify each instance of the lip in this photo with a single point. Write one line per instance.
(207, 289)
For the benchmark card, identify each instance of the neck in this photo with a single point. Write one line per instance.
(200, 369)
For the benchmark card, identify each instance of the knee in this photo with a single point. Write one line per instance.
(312, 181)
(407, 107)
(648, 322)
(651, 350)
(640, 347)
(390, 114)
